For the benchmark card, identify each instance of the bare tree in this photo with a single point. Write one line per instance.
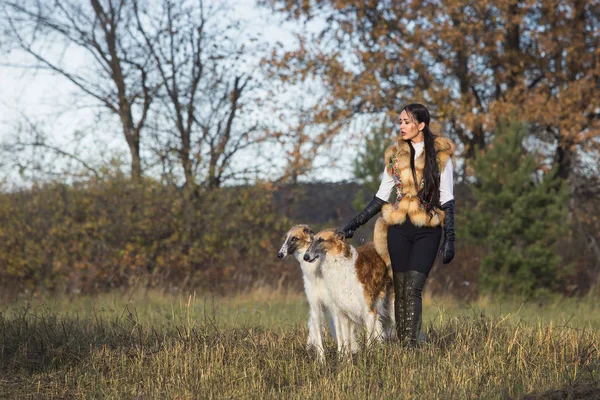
(36, 155)
(206, 97)
(182, 71)
(304, 140)
(117, 74)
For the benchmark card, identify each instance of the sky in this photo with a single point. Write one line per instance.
(54, 103)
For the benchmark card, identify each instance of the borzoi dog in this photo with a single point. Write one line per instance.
(296, 242)
(359, 283)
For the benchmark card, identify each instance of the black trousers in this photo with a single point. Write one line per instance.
(413, 248)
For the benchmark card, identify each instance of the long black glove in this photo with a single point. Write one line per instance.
(447, 248)
(370, 210)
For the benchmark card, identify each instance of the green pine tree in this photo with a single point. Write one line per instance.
(519, 216)
(369, 165)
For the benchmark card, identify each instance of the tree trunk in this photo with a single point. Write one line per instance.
(136, 165)
(133, 142)
(563, 159)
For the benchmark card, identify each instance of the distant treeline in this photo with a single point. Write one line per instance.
(115, 234)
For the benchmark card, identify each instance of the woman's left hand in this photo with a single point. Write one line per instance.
(447, 248)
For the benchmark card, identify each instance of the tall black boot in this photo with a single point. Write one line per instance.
(399, 303)
(414, 284)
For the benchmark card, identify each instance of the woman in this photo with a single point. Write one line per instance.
(409, 231)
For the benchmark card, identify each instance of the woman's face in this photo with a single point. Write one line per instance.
(410, 129)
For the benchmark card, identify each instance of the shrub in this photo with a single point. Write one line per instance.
(518, 218)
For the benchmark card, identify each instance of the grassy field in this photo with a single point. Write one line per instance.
(149, 345)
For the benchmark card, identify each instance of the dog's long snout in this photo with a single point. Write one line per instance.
(280, 255)
(306, 257)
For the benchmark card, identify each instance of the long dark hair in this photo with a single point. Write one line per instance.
(430, 193)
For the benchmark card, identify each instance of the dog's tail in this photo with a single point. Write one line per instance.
(387, 315)
(380, 238)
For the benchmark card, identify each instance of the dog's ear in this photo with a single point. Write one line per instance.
(309, 232)
(340, 235)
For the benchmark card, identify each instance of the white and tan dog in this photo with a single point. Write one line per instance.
(360, 286)
(297, 241)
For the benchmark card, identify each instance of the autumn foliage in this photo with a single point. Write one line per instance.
(115, 234)
(471, 63)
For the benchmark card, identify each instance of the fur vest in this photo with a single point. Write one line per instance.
(397, 161)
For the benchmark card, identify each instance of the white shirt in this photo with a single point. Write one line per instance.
(446, 180)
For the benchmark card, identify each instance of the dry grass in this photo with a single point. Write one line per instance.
(252, 346)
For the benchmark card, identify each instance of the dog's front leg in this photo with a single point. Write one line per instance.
(346, 334)
(370, 319)
(354, 346)
(340, 332)
(315, 329)
(335, 326)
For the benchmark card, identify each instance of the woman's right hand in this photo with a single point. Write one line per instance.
(365, 215)
(349, 230)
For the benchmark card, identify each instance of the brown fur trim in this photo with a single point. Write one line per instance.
(402, 145)
(444, 144)
(445, 149)
(417, 217)
(436, 220)
(372, 272)
(394, 217)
